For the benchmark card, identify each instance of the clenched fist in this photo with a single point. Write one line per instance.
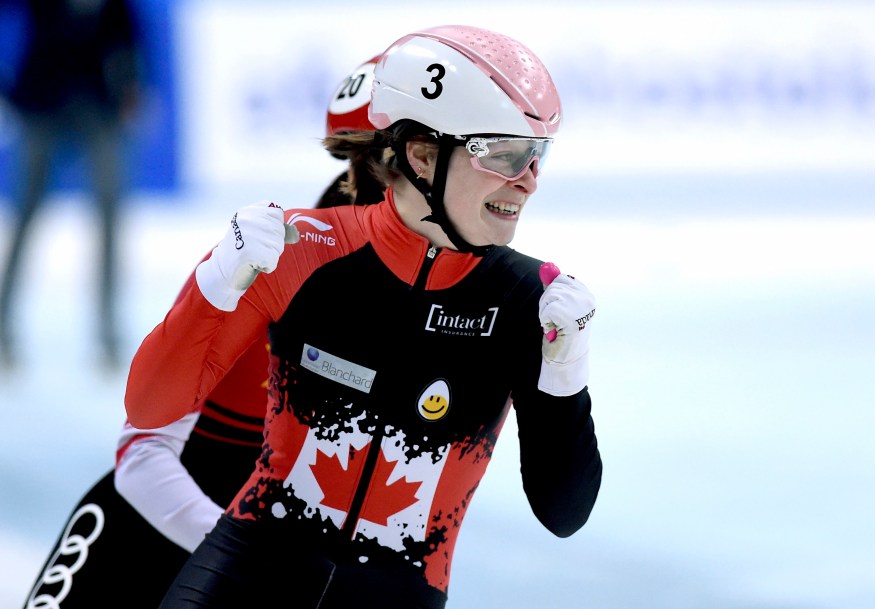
(566, 309)
(252, 245)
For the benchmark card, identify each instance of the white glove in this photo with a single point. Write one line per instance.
(565, 310)
(252, 245)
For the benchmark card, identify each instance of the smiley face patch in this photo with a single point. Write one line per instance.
(433, 403)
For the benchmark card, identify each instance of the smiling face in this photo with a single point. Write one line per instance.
(484, 207)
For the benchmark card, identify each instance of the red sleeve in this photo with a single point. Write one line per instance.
(183, 359)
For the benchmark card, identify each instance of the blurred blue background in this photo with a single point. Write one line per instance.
(713, 183)
(152, 161)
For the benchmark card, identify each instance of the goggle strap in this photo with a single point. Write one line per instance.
(435, 199)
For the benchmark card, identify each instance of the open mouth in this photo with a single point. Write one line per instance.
(505, 209)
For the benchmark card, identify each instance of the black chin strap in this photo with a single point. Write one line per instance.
(434, 194)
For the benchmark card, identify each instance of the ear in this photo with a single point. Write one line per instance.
(421, 156)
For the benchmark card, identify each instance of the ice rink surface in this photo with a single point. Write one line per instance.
(733, 382)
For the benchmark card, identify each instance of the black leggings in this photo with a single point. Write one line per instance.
(106, 556)
(252, 564)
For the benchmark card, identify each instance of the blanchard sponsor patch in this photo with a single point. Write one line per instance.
(337, 369)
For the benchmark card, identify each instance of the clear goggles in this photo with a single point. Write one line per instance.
(507, 156)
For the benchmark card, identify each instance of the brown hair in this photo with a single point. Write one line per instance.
(371, 155)
(369, 169)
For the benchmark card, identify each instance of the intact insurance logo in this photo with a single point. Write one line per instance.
(445, 321)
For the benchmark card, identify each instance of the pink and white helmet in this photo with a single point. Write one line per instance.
(348, 108)
(463, 80)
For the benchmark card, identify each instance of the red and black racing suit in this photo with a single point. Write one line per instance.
(392, 368)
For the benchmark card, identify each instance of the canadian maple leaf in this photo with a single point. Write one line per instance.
(339, 485)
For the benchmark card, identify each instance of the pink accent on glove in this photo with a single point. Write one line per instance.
(548, 272)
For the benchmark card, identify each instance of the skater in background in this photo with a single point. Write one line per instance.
(131, 532)
(348, 112)
(77, 85)
(400, 335)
